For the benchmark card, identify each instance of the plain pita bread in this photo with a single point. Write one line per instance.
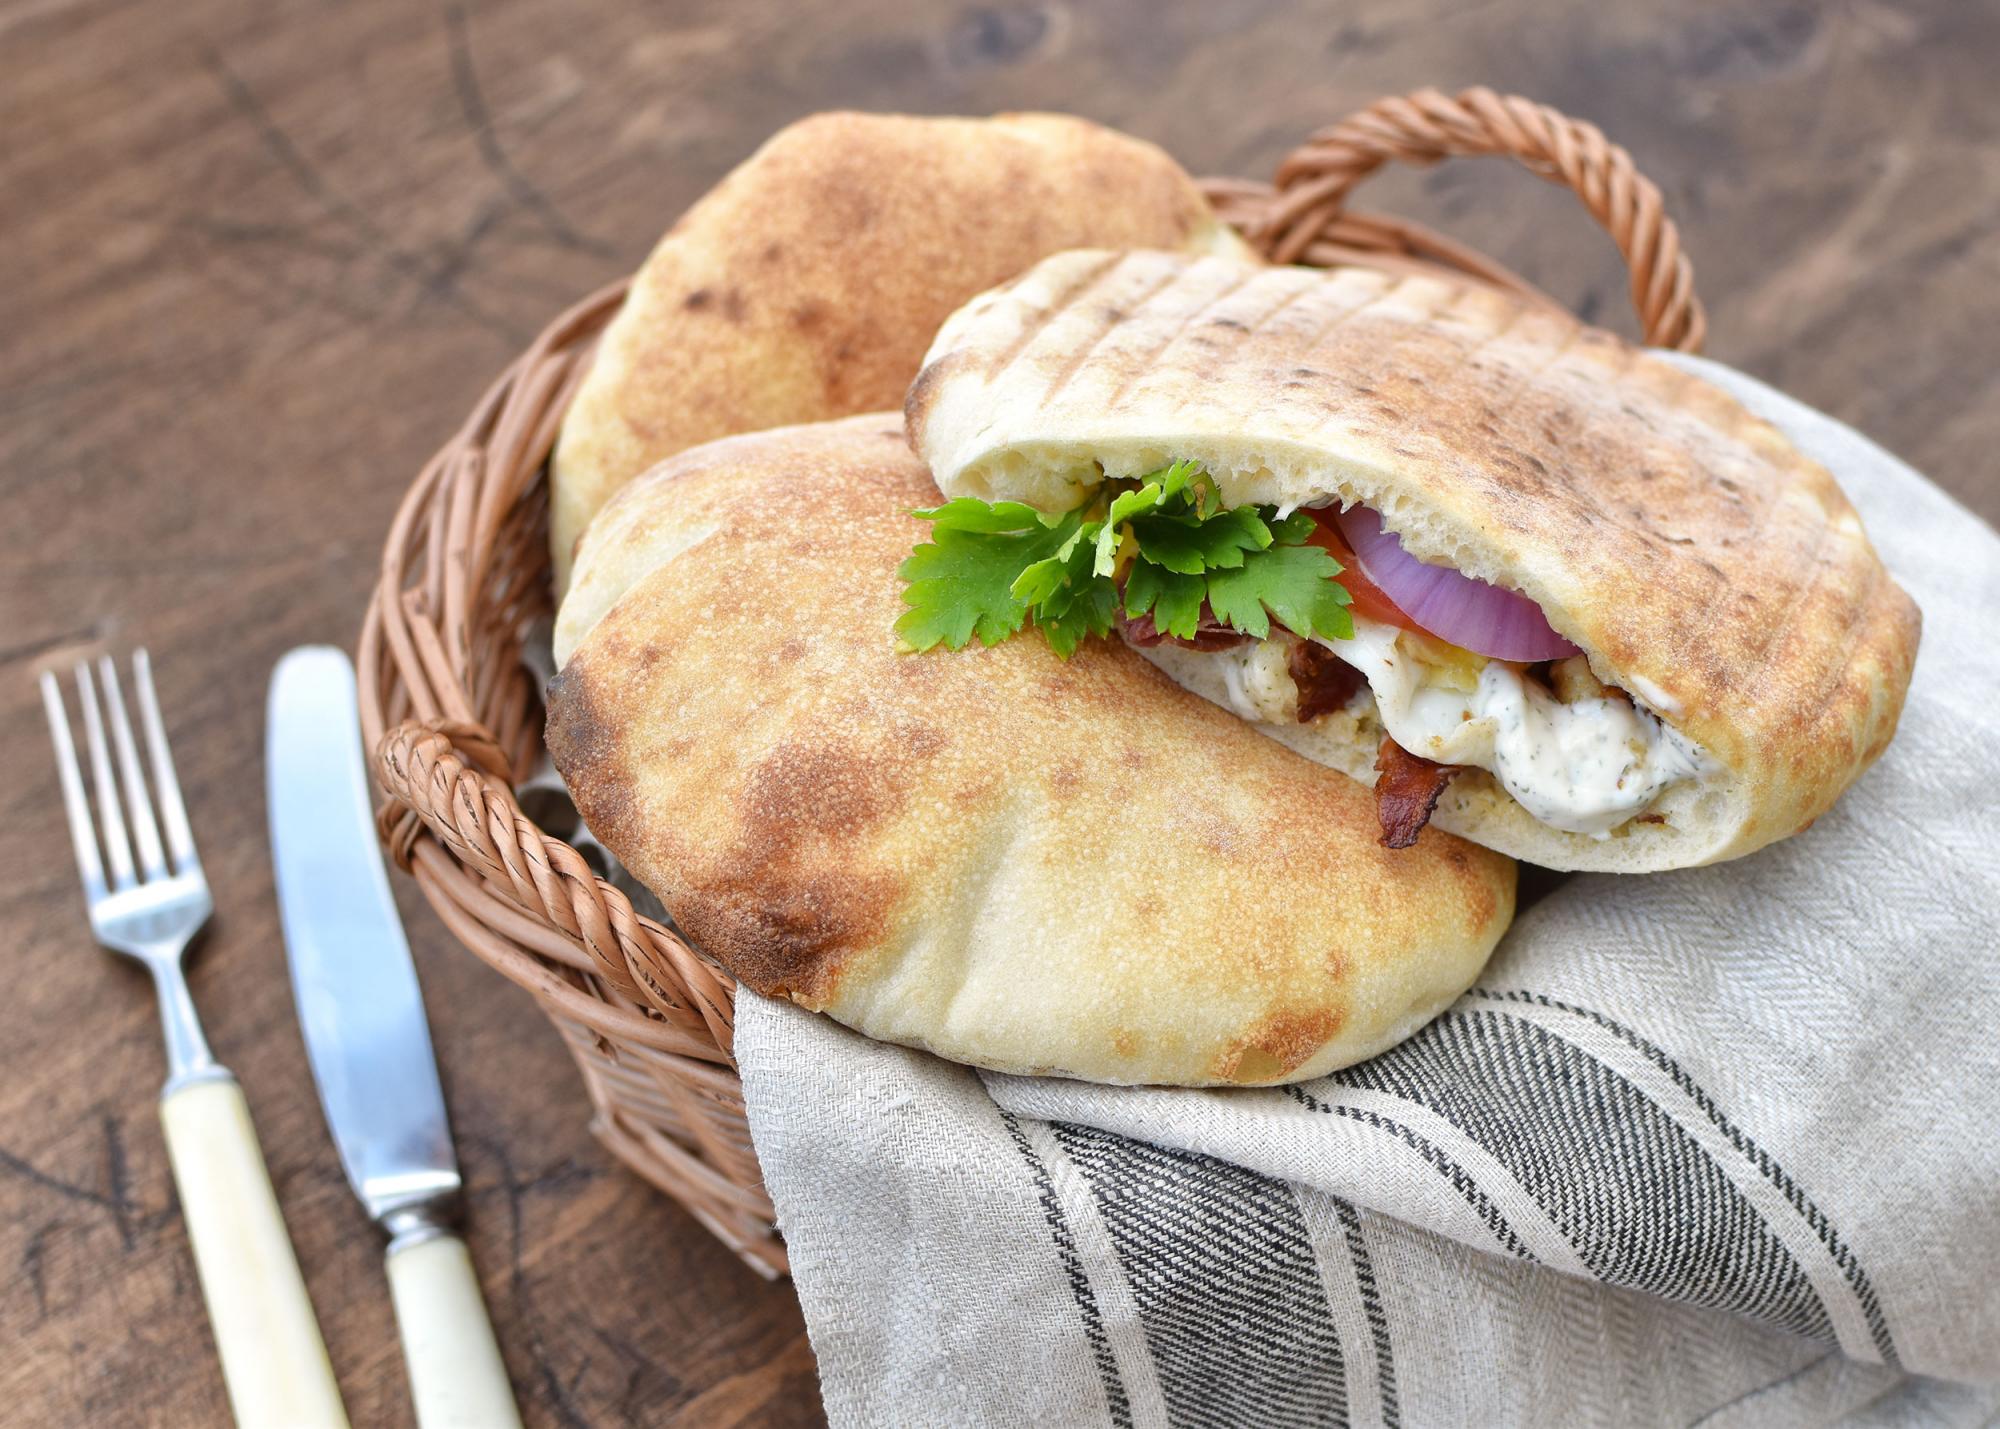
(1010, 860)
(807, 284)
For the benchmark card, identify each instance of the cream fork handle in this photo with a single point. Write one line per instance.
(273, 1360)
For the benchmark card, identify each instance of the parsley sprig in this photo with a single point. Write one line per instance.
(991, 567)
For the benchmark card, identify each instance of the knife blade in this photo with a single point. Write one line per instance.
(367, 1039)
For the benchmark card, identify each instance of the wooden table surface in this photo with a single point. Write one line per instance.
(261, 257)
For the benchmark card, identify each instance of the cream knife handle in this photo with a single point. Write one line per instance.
(457, 1377)
(273, 1360)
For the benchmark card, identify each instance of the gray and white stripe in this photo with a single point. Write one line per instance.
(1853, 1307)
(1640, 1199)
(1226, 1284)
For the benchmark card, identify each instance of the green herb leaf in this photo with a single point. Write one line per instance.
(1109, 539)
(961, 582)
(1076, 612)
(969, 513)
(1193, 545)
(1142, 587)
(1163, 489)
(1294, 529)
(1292, 583)
(992, 567)
(1070, 566)
(1174, 600)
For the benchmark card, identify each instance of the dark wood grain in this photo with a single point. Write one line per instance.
(259, 258)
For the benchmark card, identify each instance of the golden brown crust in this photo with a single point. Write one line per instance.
(1030, 864)
(1701, 562)
(807, 284)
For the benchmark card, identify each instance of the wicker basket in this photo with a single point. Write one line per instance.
(453, 712)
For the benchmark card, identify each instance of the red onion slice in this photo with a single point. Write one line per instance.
(1499, 624)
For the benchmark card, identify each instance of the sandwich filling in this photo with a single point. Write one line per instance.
(1292, 618)
(1584, 764)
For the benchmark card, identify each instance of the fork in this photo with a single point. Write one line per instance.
(147, 900)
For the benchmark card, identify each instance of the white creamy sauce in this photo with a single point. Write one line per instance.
(1584, 767)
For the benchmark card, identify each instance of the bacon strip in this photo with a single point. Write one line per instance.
(1406, 793)
(1326, 682)
(1209, 633)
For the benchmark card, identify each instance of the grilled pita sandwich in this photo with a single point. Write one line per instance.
(1007, 858)
(807, 284)
(1558, 596)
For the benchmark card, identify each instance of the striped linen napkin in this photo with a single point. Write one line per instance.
(1715, 1147)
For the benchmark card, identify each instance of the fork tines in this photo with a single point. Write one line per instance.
(110, 827)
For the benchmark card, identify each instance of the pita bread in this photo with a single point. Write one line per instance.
(808, 283)
(1027, 864)
(1705, 566)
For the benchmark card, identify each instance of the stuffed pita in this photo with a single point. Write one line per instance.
(1554, 594)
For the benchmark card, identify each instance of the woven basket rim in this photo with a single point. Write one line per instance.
(451, 713)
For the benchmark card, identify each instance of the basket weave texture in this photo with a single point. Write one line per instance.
(453, 713)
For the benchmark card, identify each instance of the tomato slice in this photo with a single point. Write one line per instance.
(1368, 599)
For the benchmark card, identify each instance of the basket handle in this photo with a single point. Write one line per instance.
(437, 785)
(1307, 203)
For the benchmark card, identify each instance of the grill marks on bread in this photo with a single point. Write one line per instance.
(1694, 554)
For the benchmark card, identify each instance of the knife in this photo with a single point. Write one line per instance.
(370, 1048)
